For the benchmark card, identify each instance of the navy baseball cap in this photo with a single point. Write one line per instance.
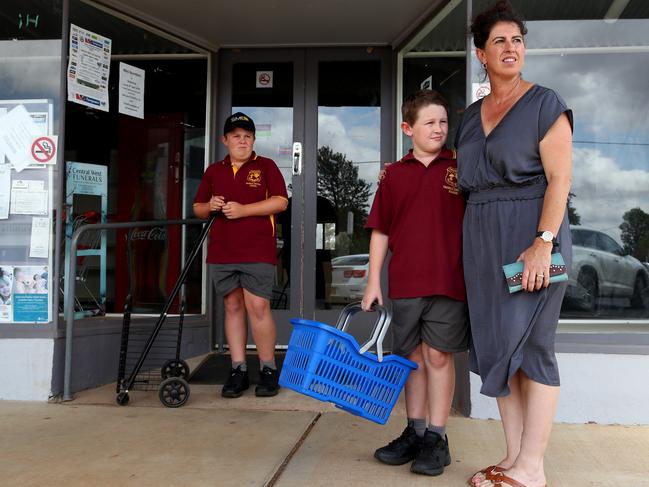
(240, 120)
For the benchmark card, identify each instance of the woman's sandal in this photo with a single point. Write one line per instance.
(491, 469)
(499, 479)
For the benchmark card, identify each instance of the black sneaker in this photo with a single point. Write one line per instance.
(433, 455)
(401, 450)
(268, 383)
(236, 383)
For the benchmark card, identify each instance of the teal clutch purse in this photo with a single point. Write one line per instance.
(514, 273)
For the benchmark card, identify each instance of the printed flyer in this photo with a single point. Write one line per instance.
(30, 293)
(88, 68)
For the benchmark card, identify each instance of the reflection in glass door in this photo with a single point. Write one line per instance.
(348, 163)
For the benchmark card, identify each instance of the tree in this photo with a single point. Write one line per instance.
(635, 232)
(573, 216)
(339, 183)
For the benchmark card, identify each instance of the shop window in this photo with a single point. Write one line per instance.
(603, 81)
(155, 163)
(30, 85)
(596, 56)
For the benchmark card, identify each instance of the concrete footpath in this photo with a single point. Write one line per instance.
(289, 440)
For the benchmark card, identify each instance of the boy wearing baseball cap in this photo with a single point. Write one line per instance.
(247, 191)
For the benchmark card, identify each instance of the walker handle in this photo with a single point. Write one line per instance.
(378, 332)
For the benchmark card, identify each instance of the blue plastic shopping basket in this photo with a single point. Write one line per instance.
(328, 364)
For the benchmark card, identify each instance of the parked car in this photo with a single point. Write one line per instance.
(349, 277)
(601, 268)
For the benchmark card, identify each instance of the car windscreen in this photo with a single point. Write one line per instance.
(584, 238)
(351, 260)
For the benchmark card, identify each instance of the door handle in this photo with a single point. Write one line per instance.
(297, 158)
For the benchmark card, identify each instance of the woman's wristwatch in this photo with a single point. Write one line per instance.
(547, 237)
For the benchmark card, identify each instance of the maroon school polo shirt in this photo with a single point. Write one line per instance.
(421, 210)
(249, 239)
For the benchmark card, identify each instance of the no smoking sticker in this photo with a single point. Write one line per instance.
(44, 150)
(264, 79)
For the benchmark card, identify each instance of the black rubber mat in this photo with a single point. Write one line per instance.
(215, 368)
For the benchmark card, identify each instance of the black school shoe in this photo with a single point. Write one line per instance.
(401, 450)
(268, 383)
(236, 383)
(433, 455)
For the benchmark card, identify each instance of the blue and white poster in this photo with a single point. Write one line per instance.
(30, 294)
(91, 179)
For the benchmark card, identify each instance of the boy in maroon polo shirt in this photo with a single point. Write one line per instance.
(247, 190)
(417, 214)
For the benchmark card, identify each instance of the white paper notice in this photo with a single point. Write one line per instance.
(40, 241)
(40, 120)
(28, 197)
(28, 184)
(88, 68)
(131, 90)
(17, 132)
(5, 185)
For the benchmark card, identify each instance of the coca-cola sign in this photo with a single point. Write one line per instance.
(155, 233)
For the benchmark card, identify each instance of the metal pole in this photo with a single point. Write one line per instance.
(69, 310)
(70, 281)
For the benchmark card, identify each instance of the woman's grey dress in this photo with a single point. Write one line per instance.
(505, 182)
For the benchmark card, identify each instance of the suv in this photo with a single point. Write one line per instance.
(601, 268)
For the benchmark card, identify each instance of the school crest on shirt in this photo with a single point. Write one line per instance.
(254, 178)
(450, 181)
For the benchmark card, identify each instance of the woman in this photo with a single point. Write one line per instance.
(514, 161)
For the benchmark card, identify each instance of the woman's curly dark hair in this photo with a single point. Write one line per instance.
(501, 11)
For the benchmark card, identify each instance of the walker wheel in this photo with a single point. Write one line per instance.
(173, 392)
(122, 398)
(174, 368)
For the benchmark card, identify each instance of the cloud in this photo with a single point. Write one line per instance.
(356, 133)
(604, 190)
(606, 91)
(585, 33)
(339, 129)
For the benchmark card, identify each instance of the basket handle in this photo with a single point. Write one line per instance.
(378, 332)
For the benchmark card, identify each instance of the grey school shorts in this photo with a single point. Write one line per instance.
(255, 277)
(439, 321)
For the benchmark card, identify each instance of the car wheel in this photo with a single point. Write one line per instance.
(640, 298)
(587, 281)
